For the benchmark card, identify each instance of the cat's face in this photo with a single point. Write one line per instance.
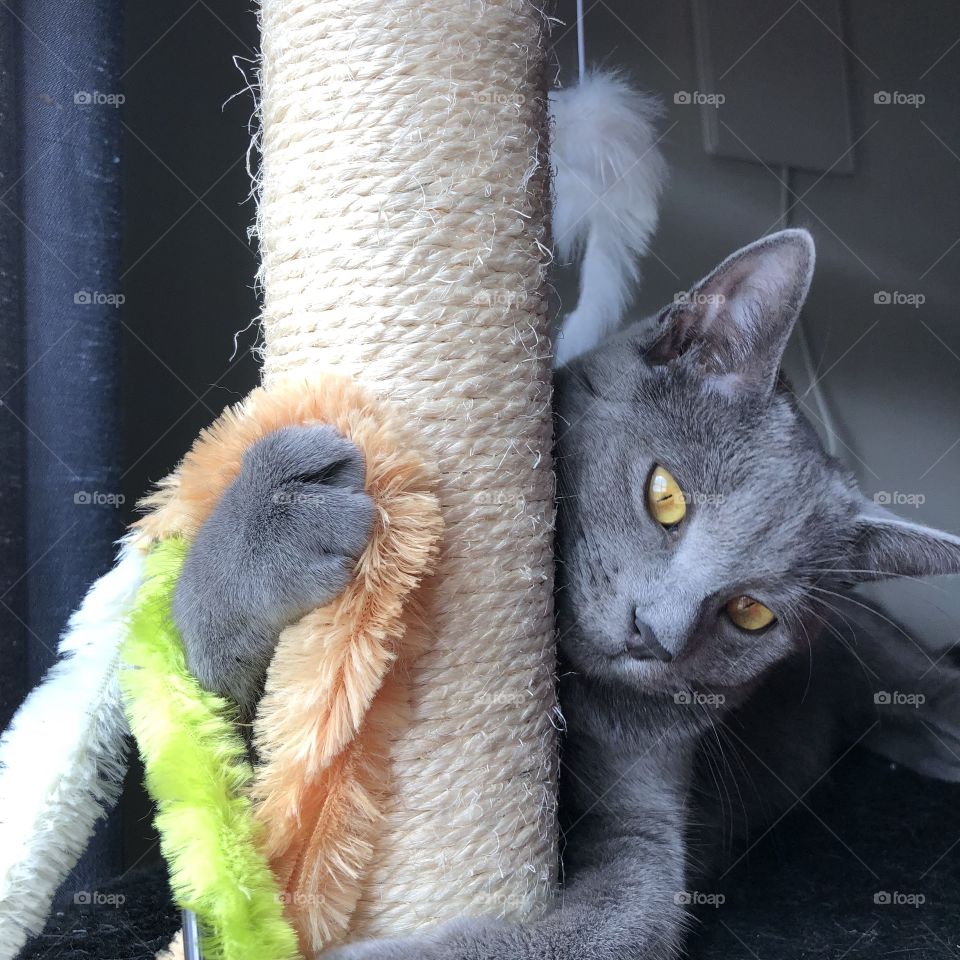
(701, 524)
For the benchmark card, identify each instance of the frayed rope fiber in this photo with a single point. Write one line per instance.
(197, 771)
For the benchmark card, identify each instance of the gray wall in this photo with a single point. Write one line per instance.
(890, 374)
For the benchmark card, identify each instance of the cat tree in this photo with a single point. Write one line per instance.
(402, 225)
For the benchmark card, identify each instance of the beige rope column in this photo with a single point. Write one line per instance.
(403, 234)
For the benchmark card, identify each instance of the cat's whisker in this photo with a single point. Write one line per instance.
(874, 610)
(718, 731)
(718, 794)
(806, 636)
(847, 642)
(885, 574)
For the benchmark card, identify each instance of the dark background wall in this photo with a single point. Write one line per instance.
(189, 267)
(890, 374)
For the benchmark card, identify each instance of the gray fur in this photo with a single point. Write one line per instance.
(656, 749)
(282, 540)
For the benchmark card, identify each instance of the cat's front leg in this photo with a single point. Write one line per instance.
(628, 906)
(467, 937)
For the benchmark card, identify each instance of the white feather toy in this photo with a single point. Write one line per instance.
(608, 176)
(63, 757)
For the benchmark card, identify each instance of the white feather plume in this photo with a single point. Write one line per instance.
(63, 757)
(608, 176)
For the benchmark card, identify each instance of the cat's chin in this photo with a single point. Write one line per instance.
(651, 676)
(666, 680)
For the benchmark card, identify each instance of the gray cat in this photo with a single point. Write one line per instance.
(706, 547)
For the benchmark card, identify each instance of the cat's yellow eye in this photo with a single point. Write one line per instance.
(665, 499)
(749, 614)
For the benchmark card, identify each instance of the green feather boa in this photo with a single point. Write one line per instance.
(196, 771)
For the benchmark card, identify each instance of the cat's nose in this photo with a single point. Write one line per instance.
(643, 644)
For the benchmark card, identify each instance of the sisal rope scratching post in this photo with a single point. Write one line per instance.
(402, 228)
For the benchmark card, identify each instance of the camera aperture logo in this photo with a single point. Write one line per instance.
(97, 298)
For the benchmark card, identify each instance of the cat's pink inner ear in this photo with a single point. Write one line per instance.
(758, 292)
(740, 316)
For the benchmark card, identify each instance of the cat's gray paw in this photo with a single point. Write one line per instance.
(282, 540)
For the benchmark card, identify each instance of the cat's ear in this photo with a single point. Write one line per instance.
(886, 546)
(734, 324)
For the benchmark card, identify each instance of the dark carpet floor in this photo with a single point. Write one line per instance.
(867, 868)
(132, 919)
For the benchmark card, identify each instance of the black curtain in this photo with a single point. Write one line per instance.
(60, 222)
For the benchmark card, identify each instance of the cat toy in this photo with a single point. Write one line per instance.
(608, 174)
